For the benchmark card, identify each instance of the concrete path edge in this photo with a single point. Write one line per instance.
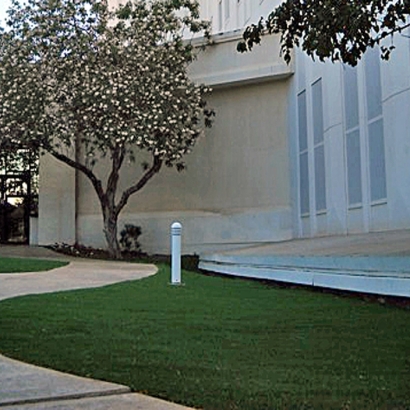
(25, 386)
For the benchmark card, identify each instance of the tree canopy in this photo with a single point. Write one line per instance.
(339, 30)
(84, 82)
(14, 156)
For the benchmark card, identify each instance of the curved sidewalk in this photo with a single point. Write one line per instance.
(24, 386)
(79, 274)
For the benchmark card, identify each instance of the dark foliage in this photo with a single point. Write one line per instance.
(332, 29)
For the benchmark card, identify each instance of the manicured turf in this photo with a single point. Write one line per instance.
(219, 343)
(16, 265)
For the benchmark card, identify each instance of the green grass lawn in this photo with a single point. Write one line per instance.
(220, 343)
(16, 265)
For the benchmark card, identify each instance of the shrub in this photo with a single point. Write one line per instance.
(129, 238)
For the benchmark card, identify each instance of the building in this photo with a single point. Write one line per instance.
(301, 150)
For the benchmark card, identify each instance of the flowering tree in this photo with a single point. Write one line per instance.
(84, 82)
(15, 157)
(333, 29)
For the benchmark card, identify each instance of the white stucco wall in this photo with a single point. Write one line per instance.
(235, 190)
(33, 240)
(230, 15)
(221, 65)
(57, 202)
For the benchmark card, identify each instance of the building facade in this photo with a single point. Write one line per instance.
(350, 144)
(296, 150)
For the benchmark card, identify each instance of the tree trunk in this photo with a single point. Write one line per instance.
(109, 209)
(110, 230)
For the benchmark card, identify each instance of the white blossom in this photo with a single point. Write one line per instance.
(89, 77)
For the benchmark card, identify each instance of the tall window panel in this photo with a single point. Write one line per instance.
(220, 16)
(319, 146)
(378, 189)
(247, 9)
(227, 9)
(303, 155)
(377, 166)
(353, 156)
(239, 13)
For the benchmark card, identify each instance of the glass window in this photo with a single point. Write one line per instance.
(320, 180)
(319, 150)
(227, 9)
(304, 183)
(220, 16)
(247, 5)
(303, 154)
(377, 161)
(302, 121)
(377, 164)
(353, 154)
(373, 83)
(354, 167)
(351, 97)
(317, 108)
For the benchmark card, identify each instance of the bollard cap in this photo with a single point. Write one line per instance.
(176, 228)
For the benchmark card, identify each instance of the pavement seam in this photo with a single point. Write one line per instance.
(68, 397)
(118, 390)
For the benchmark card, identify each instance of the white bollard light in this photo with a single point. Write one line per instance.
(176, 232)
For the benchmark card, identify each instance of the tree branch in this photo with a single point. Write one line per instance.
(155, 168)
(397, 29)
(331, 29)
(117, 160)
(87, 172)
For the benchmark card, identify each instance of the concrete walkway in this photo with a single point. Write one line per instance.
(388, 243)
(78, 274)
(377, 263)
(24, 386)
